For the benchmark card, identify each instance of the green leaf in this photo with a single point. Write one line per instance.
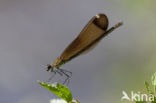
(154, 81)
(148, 88)
(60, 90)
(154, 100)
(140, 101)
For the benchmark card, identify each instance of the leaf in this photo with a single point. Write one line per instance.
(154, 81)
(154, 100)
(60, 90)
(140, 101)
(148, 88)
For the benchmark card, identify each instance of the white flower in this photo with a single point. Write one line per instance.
(57, 101)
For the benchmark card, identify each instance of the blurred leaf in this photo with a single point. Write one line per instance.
(140, 101)
(60, 90)
(154, 81)
(75, 101)
(154, 100)
(148, 88)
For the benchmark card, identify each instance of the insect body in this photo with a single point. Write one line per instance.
(88, 38)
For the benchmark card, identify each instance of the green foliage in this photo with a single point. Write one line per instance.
(140, 101)
(149, 90)
(60, 90)
(154, 81)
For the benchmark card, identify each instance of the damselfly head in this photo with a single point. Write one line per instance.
(49, 67)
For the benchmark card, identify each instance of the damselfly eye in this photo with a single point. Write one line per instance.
(49, 67)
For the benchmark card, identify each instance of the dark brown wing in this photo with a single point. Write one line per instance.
(93, 30)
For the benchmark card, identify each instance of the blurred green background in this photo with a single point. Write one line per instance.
(35, 32)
